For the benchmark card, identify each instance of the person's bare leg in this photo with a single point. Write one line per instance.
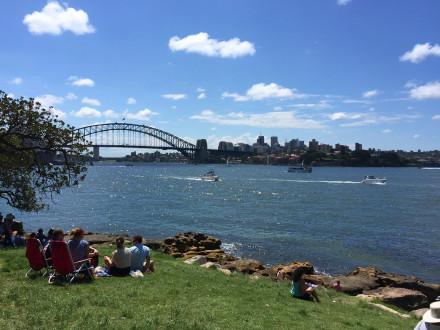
(313, 293)
(107, 261)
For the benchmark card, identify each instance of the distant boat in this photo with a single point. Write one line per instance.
(371, 179)
(430, 168)
(209, 176)
(300, 169)
(129, 165)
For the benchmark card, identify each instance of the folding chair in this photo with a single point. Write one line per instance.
(35, 256)
(65, 268)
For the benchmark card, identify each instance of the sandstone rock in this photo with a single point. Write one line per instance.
(246, 266)
(176, 254)
(227, 272)
(401, 297)
(210, 264)
(287, 270)
(185, 242)
(354, 285)
(154, 244)
(196, 260)
(419, 312)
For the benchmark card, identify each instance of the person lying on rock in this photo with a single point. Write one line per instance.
(140, 256)
(119, 263)
(301, 289)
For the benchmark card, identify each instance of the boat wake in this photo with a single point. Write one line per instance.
(186, 178)
(308, 181)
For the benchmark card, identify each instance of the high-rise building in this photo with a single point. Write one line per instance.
(358, 147)
(260, 140)
(313, 145)
(274, 141)
(225, 146)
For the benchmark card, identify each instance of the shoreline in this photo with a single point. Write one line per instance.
(370, 283)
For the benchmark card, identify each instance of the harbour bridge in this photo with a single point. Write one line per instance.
(125, 135)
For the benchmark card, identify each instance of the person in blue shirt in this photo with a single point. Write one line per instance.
(80, 249)
(300, 288)
(140, 256)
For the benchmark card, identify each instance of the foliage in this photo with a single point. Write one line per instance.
(30, 137)
(176, 296)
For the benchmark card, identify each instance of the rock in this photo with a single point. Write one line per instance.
(287, 270)
(246, 266)
(100, 238)
(227, 272)
(177, 255)
(356, 284)
(366, 297)
(210, 264)
(185, 242)
(196, 260)
(401, 297)
(154, 244)
(419, 312)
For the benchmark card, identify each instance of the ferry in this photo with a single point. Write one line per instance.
(300, 169)
(209, 176)
(371, 179)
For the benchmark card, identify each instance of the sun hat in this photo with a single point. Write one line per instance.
(433, 315)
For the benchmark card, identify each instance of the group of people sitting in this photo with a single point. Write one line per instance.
(122, 261)
(11, 231)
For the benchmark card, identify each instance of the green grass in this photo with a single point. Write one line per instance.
(176, 296)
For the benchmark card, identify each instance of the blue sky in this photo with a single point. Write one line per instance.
(339, 71)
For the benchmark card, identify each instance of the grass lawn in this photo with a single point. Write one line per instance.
(176, 296)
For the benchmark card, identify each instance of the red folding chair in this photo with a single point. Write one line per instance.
(65, 268)
(35, 256)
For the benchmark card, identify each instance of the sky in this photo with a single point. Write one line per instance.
(339, 71)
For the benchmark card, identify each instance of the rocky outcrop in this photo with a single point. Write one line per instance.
(284, 272)
(400, 297)
(245, 266)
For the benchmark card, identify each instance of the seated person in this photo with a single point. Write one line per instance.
(119, 263)
(140, 256)
(57, 235)
(301, 289)
(80, 249)
(41, 237)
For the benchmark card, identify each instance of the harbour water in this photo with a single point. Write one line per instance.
(327, 217)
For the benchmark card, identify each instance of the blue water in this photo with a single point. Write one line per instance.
(264, 212)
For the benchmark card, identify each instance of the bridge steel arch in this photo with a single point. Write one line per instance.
(166, 140)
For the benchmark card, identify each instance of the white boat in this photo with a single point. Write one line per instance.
(300, 169)
(209, 176)
(371, 179)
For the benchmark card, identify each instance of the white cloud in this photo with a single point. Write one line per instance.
(200, 90)
(16, 81)
(370, 93)
(145, 114)
(369, 118)
(351, 101)
(343, 2)
(416, 136)
(213, 140)
(71, 96)
(55, 19)
(11, 95)
(90, 101)
(200, 43)
(276, 119)
(110, 113)
(323, 104)
(88, 112)
(436, 117)
(174, 97)
(428, 91)
(131, 100)
(201, 96)
(80, 82)
(386, 131)
(420, 52)
(262, 91)
(47, 101)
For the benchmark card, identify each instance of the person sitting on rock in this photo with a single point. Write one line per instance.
(80, 249)
(140, 256)
(431, 318)
(119, 263)
(301, 289)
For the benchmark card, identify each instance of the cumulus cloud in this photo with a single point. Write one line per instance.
(174, 97)
(202, 44)
(16, 81)
(323, 104)
(71, 96)
(56, 18)
(88, 112)
(109, 113)
(420, 52)
(428, 91)
(436, 117)
(131, 100)
(262, 91)
(370, 93)
(90, 101)
(353, 119)
(80, 82)
(144, 115)
(276, 119)
(201, 96)
(343, 2)
(50, 102)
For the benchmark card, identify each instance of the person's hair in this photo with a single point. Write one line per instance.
(119, 241)
(77, 232)
(40, 230)
(57, 233)
(298, 273)
(137, 239)
(32, 235)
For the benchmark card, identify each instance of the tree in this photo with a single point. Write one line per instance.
(30, 138)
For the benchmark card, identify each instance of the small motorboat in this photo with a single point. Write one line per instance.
(371, 179)
(209, 176)
(300, 169)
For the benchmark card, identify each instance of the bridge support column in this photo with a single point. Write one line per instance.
(201, 153)
(95, 153)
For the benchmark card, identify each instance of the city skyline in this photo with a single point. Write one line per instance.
(337, 71)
